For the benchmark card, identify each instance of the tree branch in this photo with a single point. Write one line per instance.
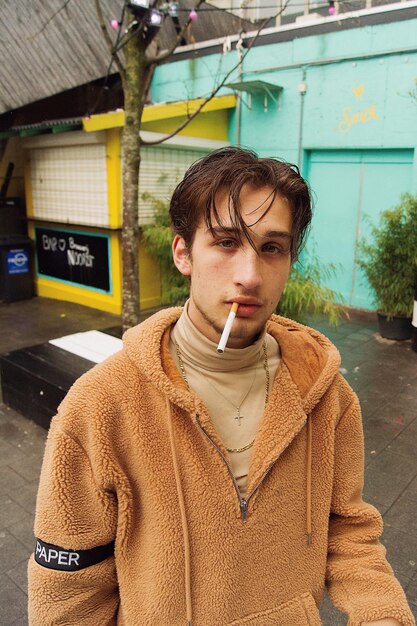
(109, 42)
(150, 69)
(219, 86)
(158, 58)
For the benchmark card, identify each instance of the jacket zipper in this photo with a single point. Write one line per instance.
(243, 503)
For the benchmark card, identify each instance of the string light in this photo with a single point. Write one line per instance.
(301, 3)
(193, 15)
(173, 9)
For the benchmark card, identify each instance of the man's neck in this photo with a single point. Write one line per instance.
(202, 352)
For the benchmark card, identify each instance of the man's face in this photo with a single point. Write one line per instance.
(224, 271)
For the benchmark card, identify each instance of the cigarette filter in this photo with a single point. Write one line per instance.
(227, 327)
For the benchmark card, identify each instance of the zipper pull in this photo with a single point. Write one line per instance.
(244, 509)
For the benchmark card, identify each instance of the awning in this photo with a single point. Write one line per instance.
(155, 112)
(49, 126)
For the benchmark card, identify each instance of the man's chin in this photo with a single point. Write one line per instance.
(247, 328)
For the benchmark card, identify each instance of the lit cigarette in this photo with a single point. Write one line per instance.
(227, 327)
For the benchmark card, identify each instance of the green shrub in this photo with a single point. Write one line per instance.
(157, 238)
(305, 293)
(389, 260)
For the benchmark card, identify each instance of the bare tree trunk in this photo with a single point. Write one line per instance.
(135, 82)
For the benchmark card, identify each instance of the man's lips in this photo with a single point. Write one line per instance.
(247, 306)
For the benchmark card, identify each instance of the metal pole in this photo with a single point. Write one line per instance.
(239, 50)
(278, 17)
(302, 90)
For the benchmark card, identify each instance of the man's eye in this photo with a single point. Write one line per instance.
(226, 243)
(272, 248)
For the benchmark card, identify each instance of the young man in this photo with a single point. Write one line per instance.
(182, 486)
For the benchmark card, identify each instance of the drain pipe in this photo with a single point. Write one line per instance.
(302, 90)
(239, 50)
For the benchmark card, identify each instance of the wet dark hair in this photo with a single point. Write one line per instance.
(230, 169)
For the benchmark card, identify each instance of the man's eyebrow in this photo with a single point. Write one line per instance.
(232, 230)
(221, 230)
(271, 234)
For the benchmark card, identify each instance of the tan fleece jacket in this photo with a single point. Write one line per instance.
(132, 458)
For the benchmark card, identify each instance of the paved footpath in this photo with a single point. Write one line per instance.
(383, 373)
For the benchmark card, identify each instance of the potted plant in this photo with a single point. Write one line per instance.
(389, 261)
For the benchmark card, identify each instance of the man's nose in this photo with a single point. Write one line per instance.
(248, 269)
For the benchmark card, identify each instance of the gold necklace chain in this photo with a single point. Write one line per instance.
(238, 416)
(266, 368)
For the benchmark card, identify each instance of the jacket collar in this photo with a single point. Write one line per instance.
(310, 358)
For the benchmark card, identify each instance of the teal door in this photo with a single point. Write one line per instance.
(350, 190)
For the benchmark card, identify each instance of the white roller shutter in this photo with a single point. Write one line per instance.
(69, 184)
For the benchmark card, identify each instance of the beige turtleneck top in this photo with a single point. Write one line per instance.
(225, 382)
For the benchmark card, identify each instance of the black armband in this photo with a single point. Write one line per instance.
(54, 557)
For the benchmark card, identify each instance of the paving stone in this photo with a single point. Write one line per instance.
(406, 443)
(28, 466)
(22, 621)
(22, 423)
(20, 432)
(371, 399)
(10, 481)
(376, 441)
(12, 551)
(25, 496)
(10, 512)
(10, 455)
(403, 515)
(411, 592)
(394, 464)
(12, 601)
(355, 377)
(401, 550)
(411, 491)
(398, 413)
(19, 575)
(23, 531)
(359, 336)
(382, 508)
(383, 487)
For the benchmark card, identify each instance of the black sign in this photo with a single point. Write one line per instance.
(80, 258)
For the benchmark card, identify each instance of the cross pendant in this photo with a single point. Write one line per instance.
(238, 417)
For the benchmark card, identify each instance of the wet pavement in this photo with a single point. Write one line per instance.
(382, 372)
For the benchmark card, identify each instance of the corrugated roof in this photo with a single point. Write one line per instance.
(49, 46)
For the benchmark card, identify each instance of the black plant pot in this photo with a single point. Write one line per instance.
(398, 327)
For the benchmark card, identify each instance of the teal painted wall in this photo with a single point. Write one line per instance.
(359, 126)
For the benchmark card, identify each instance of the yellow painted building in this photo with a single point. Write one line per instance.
(74, 197)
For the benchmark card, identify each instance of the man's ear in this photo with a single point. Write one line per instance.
(181, 256)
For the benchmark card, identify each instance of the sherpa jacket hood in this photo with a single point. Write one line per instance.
(133, 462)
